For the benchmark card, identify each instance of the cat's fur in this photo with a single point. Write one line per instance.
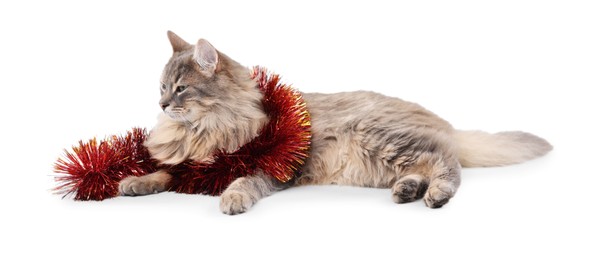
(358, 138)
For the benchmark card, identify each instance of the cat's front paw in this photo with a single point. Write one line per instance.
(136, 186)
(235, 202)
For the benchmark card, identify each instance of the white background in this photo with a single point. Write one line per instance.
(74, 70)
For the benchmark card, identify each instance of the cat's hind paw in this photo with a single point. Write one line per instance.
(438, 194)
(409, 188)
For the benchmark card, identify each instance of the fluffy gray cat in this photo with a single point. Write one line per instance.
(359, 138)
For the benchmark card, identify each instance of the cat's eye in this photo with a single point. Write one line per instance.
(163, 87)
(180, 89)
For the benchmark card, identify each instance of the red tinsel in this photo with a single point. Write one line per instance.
(93, 170)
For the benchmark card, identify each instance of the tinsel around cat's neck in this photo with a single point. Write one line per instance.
(93, 170)
(279, 150)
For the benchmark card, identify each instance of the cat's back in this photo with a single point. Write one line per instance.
(351, 109)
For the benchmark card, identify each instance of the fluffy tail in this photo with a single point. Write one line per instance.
(481, 149)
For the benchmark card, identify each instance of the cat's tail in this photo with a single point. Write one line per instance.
(481, 149)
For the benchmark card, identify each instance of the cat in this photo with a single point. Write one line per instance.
(360, 138)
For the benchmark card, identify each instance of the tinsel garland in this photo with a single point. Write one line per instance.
(93, 170)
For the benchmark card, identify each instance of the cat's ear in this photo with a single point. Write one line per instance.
(177, 42)
(206, 56)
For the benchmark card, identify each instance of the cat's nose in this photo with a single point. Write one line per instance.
(163, 106)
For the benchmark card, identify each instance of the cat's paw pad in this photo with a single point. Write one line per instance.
(408, 189)
(136, 186)
(235, 202)
(438, 195)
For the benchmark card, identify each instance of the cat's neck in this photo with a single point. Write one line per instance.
(226, 130)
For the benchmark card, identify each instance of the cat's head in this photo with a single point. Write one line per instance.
(200, 82)
(210, 103)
